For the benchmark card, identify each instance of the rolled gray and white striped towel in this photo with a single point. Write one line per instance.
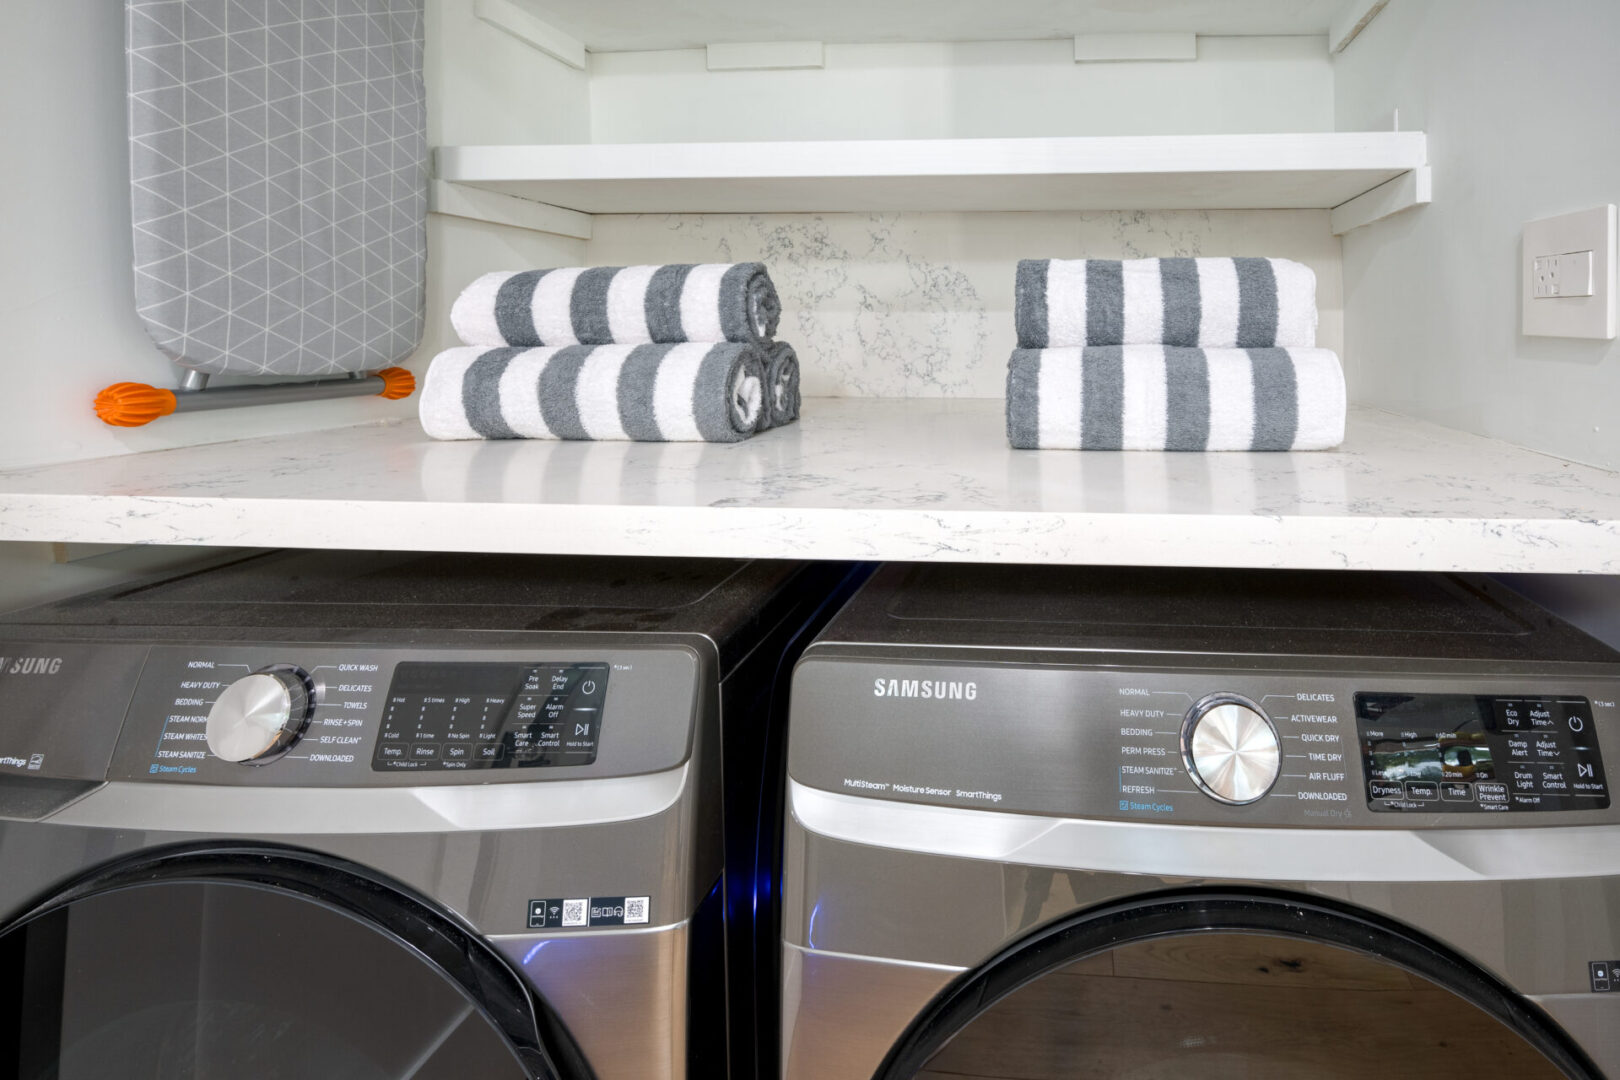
(692, 392)
(1157, 397)
(1204, 303)
(781, 385)
(619, 305)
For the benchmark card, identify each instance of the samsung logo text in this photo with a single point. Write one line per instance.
(929, 689)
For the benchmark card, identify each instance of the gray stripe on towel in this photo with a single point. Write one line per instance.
(663, 308)
(559, 406)
(1276, 399)
(1257, 304)
(1186, 384)
(588, 307)
(1105, 302)
(1102, 398)
(514, 311)
(711, 402)
(638, 378)
(481, 394)
(1178, 281)
(1024, 399)
(1029, 303)
(735, 325)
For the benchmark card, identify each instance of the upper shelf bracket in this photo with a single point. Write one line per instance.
(459, 200)
(1415, 188)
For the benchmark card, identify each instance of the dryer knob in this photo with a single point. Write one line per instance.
(1230, 749)
(258, 717)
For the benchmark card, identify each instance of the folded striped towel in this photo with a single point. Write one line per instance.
(781, 385)
(1207, 303)
(696, 392)
(1158, 397)
(619, 305)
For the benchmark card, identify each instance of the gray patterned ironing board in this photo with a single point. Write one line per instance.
(278, 167)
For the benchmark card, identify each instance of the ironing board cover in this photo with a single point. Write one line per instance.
(278, 167)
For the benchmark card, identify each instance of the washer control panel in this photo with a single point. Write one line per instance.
(1468, 753)
(368, 715)
(491, 716)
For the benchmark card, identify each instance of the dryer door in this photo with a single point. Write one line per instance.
(249, 963)
(1230, 986)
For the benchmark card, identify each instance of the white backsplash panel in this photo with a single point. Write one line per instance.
(920, 305)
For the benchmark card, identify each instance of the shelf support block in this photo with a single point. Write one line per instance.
(767, 56)
(1414, 188)
(1351, 20)
(532, 30)
(1113, 48)
(459, 200)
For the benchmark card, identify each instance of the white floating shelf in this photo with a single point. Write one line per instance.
(856, 479)
(1136, 172)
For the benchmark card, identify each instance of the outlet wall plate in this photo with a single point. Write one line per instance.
(1567, 315)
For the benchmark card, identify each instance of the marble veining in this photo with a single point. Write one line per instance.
(906, 479)
(920, 304)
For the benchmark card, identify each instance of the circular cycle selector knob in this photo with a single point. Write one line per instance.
(1230, 749)
(260, 716)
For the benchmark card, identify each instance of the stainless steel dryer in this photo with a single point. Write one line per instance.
(1108, 823)
(384, 815)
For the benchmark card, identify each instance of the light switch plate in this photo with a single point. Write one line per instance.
(1561, 297)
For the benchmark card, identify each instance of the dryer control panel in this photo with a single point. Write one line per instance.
(1226, 746)
(1460, 753)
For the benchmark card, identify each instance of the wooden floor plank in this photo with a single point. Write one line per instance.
(1234, 1007)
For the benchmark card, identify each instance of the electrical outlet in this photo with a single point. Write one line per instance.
(1569, 274)
(1546, 279)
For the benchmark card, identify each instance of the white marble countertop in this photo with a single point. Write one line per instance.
(914, 479)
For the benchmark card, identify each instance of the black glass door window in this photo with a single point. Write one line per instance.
(231, 981)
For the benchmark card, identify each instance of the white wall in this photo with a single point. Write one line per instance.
(920, 305)
(1432, 296)
(486, 86)
(66, 301)
(1253, 84)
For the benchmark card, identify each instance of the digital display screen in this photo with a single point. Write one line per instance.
(491, 716)
(1460, 753)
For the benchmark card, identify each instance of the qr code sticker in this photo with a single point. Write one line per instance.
(574, 912)
(635, 909)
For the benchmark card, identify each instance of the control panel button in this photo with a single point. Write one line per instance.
(1230, 749)
(260, 716)
(1518, 752)
(1422, 790)
(486, 715)
(1386, 789)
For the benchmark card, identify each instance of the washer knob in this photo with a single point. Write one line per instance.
(258, 717)
(1230, 749)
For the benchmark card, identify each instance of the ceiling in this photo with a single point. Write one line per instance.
(632, 25)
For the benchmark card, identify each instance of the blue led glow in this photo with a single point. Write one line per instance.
(810, 934)
(530, 955)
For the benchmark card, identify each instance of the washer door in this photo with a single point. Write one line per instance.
(1239, 986)
(251, 963)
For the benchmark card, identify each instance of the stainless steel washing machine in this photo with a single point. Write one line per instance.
(1108, 823)
(385, 815)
